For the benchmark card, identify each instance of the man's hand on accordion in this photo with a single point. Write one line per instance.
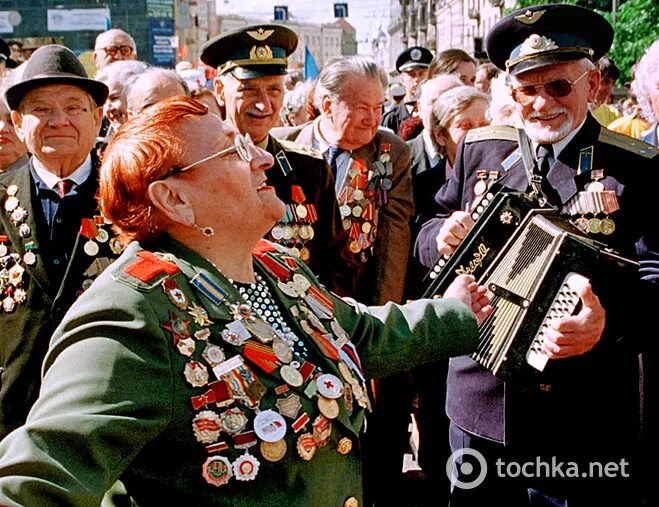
(464, 288)
(577, 334)
(453, 231)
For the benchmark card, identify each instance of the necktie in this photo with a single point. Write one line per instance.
(64, 187)
(545, 161)
(334, 153)
(545, 158)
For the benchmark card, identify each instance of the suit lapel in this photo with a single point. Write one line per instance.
(23, 182)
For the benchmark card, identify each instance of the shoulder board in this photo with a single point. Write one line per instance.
(495, 132)
(302, 149)
(627, 143)
(145, 270)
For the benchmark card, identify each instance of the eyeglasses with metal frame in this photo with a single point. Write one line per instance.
(242, 145)
(525, 95)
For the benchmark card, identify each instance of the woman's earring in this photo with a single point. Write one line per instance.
(206, 231)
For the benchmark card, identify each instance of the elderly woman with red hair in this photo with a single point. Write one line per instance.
(207, 366)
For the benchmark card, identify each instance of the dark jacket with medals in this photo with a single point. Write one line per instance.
(380, 263)
(300, 166)
(41, 279)
(146, 370)
(585, 405)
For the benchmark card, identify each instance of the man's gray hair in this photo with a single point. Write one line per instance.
(647, 66)
(102, 35)
(453, 102)
(337, 70)
(124, 71)
(154, 72)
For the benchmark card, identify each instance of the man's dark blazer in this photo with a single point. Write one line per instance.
(26, 331)
(311, 172)
(394, 117)
(585, 405)
(382, 278)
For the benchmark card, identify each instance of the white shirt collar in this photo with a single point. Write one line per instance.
(78, 176)
(431, 149)
(560, 145)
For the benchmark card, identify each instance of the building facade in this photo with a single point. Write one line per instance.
(441, 24)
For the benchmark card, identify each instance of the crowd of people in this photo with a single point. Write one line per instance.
(212, 291)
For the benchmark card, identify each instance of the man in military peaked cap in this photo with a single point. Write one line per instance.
(583, 407)
(52, 243)
(412, 64)
(249, 87)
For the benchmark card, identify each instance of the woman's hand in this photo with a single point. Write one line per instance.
(464, 288)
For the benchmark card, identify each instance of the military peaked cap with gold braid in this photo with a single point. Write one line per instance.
(542, 35)
(251, 51)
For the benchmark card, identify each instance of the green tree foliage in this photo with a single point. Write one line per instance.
(636, 27)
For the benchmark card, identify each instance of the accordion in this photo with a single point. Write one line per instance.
(531, 280)
(496, 217)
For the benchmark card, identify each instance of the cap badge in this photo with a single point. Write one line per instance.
(260, 53)
(536, 44)
(415, 54)
(261, 34)
(530, 17)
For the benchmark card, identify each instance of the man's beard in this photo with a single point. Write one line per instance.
(546, 134)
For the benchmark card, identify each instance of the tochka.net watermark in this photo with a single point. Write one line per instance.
(473, 472)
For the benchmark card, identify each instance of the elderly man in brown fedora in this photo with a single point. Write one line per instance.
(53, 241)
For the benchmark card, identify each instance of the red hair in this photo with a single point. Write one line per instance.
(143, 150)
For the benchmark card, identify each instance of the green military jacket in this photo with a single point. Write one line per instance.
(125, 395)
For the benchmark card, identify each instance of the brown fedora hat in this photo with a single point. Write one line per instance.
(54, 64)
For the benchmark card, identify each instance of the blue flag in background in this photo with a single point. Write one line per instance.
(310, 67)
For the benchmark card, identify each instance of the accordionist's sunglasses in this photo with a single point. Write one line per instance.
(525, 95)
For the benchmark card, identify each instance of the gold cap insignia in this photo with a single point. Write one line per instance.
(530, 17)
(536, 44)
(260, 53)
(260, 34)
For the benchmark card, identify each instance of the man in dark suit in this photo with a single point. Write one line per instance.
(412, 64)
(251, 63)
(53, 239)
(584, 406)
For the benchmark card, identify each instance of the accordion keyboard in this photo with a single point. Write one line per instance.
(564, 304)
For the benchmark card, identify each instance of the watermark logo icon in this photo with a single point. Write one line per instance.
(473, 470)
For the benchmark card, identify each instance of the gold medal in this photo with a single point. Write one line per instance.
(344, 446)
(607, 226)
(273, 451)
(594, 225)
(354, 247)
(329, 408)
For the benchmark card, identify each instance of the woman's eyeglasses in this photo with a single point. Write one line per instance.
(525, 95)
(242, 145)
(112, 50)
